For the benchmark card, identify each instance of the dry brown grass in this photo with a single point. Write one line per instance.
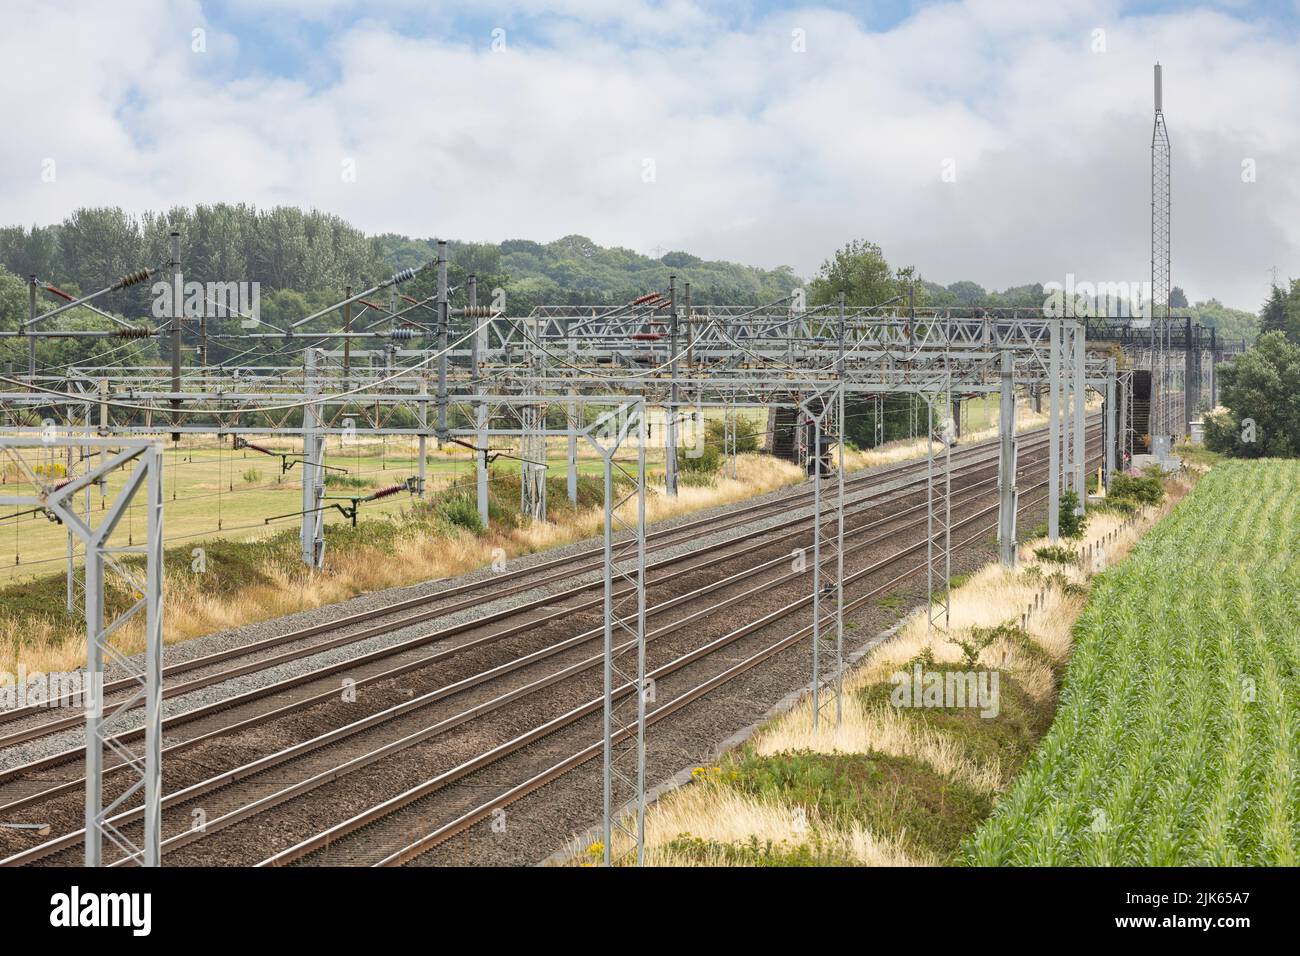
(718, 815)
(882, 729)
(39, 644)
(906, 449)
(46, 645)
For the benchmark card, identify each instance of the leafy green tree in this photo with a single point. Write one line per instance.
(1029, 296)
(859, 271)
(1229, 324)
(1293, 312)
(968, 293)
(31, 253)
(1272, 318)
(680, 260)
(1261, 391)
(105, 243)
(13, 310)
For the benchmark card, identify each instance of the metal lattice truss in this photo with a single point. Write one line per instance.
(940, 437)
(1161, 208)
(627, 690)
(823, 414)
(1008, 496)
(108, 732)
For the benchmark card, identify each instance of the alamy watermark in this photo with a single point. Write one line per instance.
(75, 908)
(1073, 299)
(55, 689)
(208, 300)
(947, 689)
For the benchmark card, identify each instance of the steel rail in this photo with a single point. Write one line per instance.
(730, 519)
(708, 551)
(968, 492)
(484, 810)
(378, 812)
(266, 763)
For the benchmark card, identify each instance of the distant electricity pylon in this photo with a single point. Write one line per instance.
(1160, 208)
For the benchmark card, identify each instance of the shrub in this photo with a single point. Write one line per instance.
(1058, 580)
(252, 476)
(335, 480)
(1121, 506)
(1056, 554)
(1144, 489)
(925, 658)
(461, 511)
(1259, 387)
(982, 637)
(704, 465)
(715, 433)
(1072, 522)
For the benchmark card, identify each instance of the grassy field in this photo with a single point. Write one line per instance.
(1177, 738)
(248, 576)
(215, 494)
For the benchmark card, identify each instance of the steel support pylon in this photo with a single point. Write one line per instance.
(626, 689)
(674, 396)
(728, 438)
(1054, 433)
(1007, 494)
(1126, 419)
(1079, 392)
(1111, 422)
(478, 345)
(572, 423)
(110, 732)
(1160, 258)
(532, 467)
(824, 413)
(312, 533)
(938, 507)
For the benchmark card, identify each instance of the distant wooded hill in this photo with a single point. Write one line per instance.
(316, 254)
(304, 259)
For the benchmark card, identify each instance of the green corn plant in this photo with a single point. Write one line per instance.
(1178, 723)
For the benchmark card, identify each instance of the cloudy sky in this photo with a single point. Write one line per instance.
(1004, 142)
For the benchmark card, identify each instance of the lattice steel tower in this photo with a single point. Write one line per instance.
(1159, 262)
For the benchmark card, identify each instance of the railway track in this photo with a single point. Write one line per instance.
(484, 590)
(368, 837)
(423, 661)
(250, 789)
(369, 668)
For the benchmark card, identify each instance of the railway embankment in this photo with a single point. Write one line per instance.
(938, 723)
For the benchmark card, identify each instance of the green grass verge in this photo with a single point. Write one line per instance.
(929, 812)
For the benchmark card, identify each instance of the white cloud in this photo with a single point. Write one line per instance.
(760, 153)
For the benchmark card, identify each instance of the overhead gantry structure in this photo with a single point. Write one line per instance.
(618, 379)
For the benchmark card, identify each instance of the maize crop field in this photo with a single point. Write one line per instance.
(1177, 735)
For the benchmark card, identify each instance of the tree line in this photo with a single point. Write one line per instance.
(303, 261)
